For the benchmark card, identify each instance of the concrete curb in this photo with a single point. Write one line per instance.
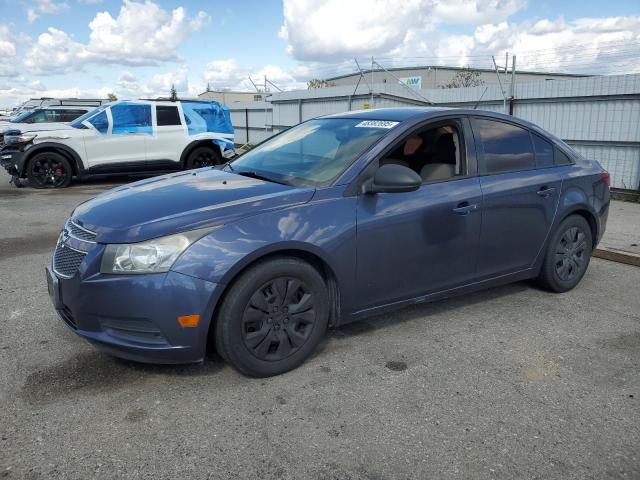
(615, 255)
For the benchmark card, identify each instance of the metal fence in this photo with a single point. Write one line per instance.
(598, 116)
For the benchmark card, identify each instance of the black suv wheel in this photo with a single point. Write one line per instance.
(49, 170)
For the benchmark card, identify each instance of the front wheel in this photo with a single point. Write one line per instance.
(49, 170)
(567, 256)
(273, 317)
(202, 157)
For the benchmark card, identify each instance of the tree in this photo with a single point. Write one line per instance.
(112, 97)
(318, 83)
(466, 77)
(173, 96)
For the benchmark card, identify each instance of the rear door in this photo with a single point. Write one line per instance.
(120, 143)
(520, 189)
(169, 137)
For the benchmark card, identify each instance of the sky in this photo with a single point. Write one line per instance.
(139, 48)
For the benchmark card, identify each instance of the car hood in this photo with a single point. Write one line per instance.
(34, 127)
(180, 202)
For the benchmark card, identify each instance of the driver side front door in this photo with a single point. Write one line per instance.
(416, 243)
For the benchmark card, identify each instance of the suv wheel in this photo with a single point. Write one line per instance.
(567, 256)
(49, 170)
(273, 317)
(203, 157)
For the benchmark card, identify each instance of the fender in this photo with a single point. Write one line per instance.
(320, 229)
(207, 142)
(64, 149)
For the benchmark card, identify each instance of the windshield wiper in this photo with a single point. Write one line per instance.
(259, 176)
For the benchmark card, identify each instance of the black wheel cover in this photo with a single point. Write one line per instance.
(279, 319)
(48, 172)
(571, 254)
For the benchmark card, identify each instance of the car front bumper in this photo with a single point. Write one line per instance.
(136, 316)
(11, 161)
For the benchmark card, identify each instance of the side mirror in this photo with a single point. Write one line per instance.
(391, 178)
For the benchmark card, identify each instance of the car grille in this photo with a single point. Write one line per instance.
(67, 258)
(77, 231)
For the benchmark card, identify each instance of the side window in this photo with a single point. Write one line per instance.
(52, 116)
(131, 118)
(544, 151)
(562, 158)
(507, 148)
(38, 117)
(100, 122)
(167, 116)
(70, 115)
(435, 153)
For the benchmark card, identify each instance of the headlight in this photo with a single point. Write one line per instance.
(19, 138)
(153, 256)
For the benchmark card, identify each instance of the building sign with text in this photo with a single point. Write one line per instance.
(415, 82)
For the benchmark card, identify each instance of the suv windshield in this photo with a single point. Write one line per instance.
(77, 123)
(312, 153)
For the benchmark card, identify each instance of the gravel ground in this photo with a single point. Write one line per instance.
(508, 383)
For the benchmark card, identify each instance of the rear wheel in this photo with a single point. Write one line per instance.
(49, 170)
(203, 157)
(567, 256)
(273, 317)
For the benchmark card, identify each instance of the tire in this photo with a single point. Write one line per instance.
(202, 157)
(257, 331)
(49, 170)
(567, 256)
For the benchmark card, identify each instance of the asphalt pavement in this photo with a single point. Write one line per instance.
(508, 383)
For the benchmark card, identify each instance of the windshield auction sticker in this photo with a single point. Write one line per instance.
(377, 124)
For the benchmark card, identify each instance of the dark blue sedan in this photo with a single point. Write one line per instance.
(337, 218)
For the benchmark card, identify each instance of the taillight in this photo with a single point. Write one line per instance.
(607, 178)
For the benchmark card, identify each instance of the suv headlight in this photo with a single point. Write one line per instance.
(153, 256)
(11, 138)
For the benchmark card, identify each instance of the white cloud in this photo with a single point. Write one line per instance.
(337, 29)
(415, 32)
(585, 45)
(228, 74)
(141, 34)
(8, 51)
(48, 7)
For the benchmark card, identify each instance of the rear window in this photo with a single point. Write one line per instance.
(506, 147)
(70, 115)
(167, 116)
(544, 151)
(562, 158)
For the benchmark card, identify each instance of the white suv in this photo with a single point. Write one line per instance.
(120, 137)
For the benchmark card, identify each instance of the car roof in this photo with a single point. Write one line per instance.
(63, 107)
(402, 114)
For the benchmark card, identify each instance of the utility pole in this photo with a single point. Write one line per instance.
(371, 101)
(265, 105)
(504, 95)
(513, 85)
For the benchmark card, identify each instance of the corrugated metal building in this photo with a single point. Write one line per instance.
(434, 76)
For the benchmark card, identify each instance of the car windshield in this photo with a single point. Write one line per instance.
(22, 116)
(313, 153)
(77, 123)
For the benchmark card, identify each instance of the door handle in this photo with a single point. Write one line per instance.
(465, 208)
(546, 191)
